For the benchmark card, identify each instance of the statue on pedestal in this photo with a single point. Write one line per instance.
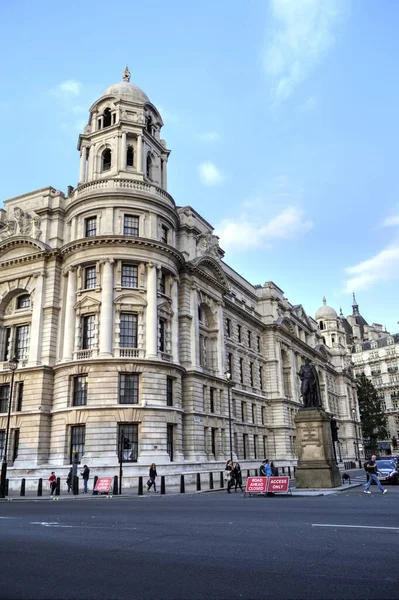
(310, 387)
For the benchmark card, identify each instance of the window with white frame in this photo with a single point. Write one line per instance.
(128, 330)
(4, 396)
(90, 277)
(128, 437)
(131, 225)
(128, 388)
(77, 442)
(91, 227)
(79, 393)
(23, 301)
(88, 332)
(129, 275)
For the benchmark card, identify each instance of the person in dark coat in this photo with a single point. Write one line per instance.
(237, 476)
(229, 475)
(69, 480)
(274, 469)
(152, 476)
(85, 475)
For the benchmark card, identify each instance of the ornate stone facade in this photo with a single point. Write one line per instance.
(125, 318)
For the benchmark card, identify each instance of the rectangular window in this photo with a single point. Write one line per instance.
(128, 388)
(169, 440)
(263, 415)
(213, 440)
(129, 276)
(254, 413)
(243, 412)
(255, 446)
(128, 330)
(204, 398)
(245, 445)
(90, 277)
(5, 349)
(2, 441)
(91, 227)
(264, 446)
(131, 225)
(88, 332)
(162, 284)
(164, 234)
(241, 370)
(77, 442)
(169, 391)
(261, 378)
(4, 395)
(22, 341)
(249, 339)
(239, 332)
(258, 343)
(19, 395)
(15, 449)
(228, 327)
(79, 397)
(162, 328)
(230, 364)
(212, 400)
(128, 437)
(23, 301)
(251, 374)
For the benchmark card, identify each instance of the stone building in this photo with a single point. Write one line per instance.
(125, 319)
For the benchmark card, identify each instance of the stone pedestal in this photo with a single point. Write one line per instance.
(316, 464)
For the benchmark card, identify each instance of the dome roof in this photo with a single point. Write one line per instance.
(326, 312)
(124, 90)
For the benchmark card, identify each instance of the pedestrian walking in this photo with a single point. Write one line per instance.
(69, 479)
(372, 471)
(53, 483)
(265, 469)
(85, 475)
(274, 469)
(229, 475)
(152, 476)
(237, 476)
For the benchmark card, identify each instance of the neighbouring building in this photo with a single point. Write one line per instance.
(125, 320)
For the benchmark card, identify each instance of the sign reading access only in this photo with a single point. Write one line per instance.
(278, 484)
(256, 485)
(103, 484)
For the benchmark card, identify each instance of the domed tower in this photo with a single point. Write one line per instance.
(326, 318)
(122, 137)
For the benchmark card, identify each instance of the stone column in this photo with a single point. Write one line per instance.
(152, 312)
(175, 320)
(35, 345)
(106, 323)
(194, 327)
(83, 158)
(220, 341)
(139, 166)
(164, 183)
(69, 326)
(123, 151)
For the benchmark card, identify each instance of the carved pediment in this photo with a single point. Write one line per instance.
(87, 304)
(20, 223)
(130, 300)
(210, 267)
(301, 315)
(208, 245)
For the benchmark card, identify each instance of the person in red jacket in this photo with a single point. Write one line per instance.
(53, 483)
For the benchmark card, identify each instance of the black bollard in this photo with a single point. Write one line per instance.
(182, 487)
(22, 492)
(221, 479)
(94, 485)
(163, 484)
(40, 487)
(75, 485)
(283, 470)
(115, 489)
(140, 486)
(58, 486)
(6, 487)
(198, 482)
(211, 480)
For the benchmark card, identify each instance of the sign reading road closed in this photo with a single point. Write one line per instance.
(278, 484)
(103, 484)
(256, 485)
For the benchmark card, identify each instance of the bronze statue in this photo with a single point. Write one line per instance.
(310, 387)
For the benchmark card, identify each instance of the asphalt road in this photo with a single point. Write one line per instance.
(212, 546)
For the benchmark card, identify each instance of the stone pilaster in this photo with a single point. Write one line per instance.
(36, 333)
(152, 313)
(106, 324)
(69, 330)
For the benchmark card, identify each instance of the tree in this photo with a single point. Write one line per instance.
(373, 419)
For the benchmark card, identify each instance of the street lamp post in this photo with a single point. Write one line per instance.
(357, 453)
(229, 383)
(12, 364)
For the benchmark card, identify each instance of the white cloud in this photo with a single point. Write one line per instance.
(167, 116)
(309, 105)
(301, 34)
(70, 87)
(381, 267)
(210, 174)
(246, 234)
(210, 136)
(391, 221)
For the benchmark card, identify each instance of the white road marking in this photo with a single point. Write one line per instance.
(353, 526)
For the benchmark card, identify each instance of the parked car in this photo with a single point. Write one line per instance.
(387, 471)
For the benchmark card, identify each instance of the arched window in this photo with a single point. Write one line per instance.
(130, 157)
(23, 301)
(149, 166)
(107, 117)
(321, 325)
(106, 160)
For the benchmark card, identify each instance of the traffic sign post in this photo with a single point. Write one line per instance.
(103, 485)
(265, 485)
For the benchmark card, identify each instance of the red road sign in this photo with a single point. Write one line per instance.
(278, 484)
(256, 485)
(103, 484)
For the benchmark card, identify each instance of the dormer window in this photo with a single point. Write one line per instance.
(23, 301)
(107, 118)
(106, 160)
(130, 157)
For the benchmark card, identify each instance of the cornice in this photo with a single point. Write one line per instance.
(196, 270)
(253, 318)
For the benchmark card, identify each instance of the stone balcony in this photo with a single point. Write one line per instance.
(4, 366)
(122, 186)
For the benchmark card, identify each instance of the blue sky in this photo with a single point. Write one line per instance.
(281, 116)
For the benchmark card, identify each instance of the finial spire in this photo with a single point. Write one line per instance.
(126, 74)
(355, 305)
(341, 314)
(324, 300)
(354, 300)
